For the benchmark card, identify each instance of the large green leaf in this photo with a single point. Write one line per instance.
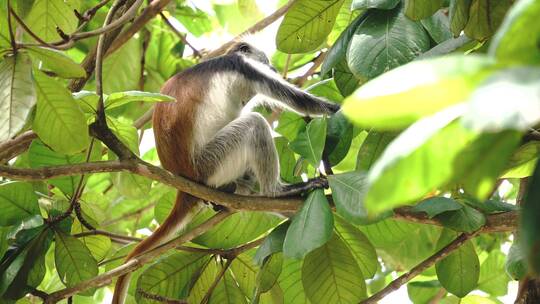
(438, 27)
(485, 16)
(59, 121)
(57, 62)
(339, 138)
(171, 276)
(360, 247)
(73, 260)
(290, 124)
(287, 160)
(493, 279)
(459, 271)
(510, 43)
(529, 224)
(517, 84)
(120, 68)
(516, 262)
(420, 9)
(272, 243)
(290, 281)
(311, 227)
(228, 292)
(419, 160)
(348, 191)
(345, 16)
(338, 51)
(382, 4)
(17, 201)
(195, 20)
(4, 27)
(306, 25)
(399, 97)
(345, 80)
(310, 143)
(330, 275)
(269, 273)
(17, 94)
(237, 229)
(421, 292)
(379, 43)
(99, 245)
(47, 15)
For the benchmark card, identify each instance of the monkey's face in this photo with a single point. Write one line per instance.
(251, 52)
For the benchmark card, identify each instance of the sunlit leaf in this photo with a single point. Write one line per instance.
(46, 15)
(310, 143)
(17, 201)
(57, 62)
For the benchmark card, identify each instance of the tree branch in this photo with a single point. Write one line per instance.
(499, 222)
(418, 269)
(182, 37)
(137, 262)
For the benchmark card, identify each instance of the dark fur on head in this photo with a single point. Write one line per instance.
(245, 49)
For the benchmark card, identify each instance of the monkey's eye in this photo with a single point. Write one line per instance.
(244, 48)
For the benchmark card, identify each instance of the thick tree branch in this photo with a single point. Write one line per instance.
(418, 269)
(500, 222)
(137, 262)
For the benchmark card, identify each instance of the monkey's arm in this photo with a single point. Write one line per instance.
(267, 82)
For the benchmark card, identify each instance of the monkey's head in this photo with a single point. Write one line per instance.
(245, 49)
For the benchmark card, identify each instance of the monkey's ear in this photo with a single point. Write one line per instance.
(244, 47)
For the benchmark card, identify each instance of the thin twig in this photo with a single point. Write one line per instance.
(218, 278)
(182, 37)
(128, 215)
(316, 64)
(418, 269)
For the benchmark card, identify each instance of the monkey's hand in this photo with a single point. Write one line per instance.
(303, 187)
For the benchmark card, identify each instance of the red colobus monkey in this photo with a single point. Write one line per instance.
(205, 137)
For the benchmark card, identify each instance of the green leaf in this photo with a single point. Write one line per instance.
(306, 25)
(47, 15)
(311, 227)
(421, 292)
(381, 4)
(236, 230)
(339, 138)
(510, 44)
(516, 262)
(400, 97)
(73, 260)
(203, 281)
(310, 143)
(437, 205)
(196, 21)
(529, 224)
(120, 68)
(338, 51)
(326, 88)
(290, 124)
(56, 62)
(121, 98)
(420, 9)
(41, 156)
(359, 245)
(459, 15)
(269, 273)
(99, 245)
(345, 80)
(171, 276)
(23, 265)
(348, 191)
(485, 17)
(273, 243)
(419, 160)
(17, 201)
(331, 275)
(465, 219)
(492, 279)
(287, 160)
(372, 148)
(438, 27)
(290, 281)
(379, 44)
(460, 270)
(59, 121)
(517, 84)
(17, 94)
(228, 292)
(524, 156)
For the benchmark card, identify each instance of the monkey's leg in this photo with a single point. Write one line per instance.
(247, 144)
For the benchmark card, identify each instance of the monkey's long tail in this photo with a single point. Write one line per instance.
(177, 218)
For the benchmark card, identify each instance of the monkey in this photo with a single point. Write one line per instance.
(204, 135)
